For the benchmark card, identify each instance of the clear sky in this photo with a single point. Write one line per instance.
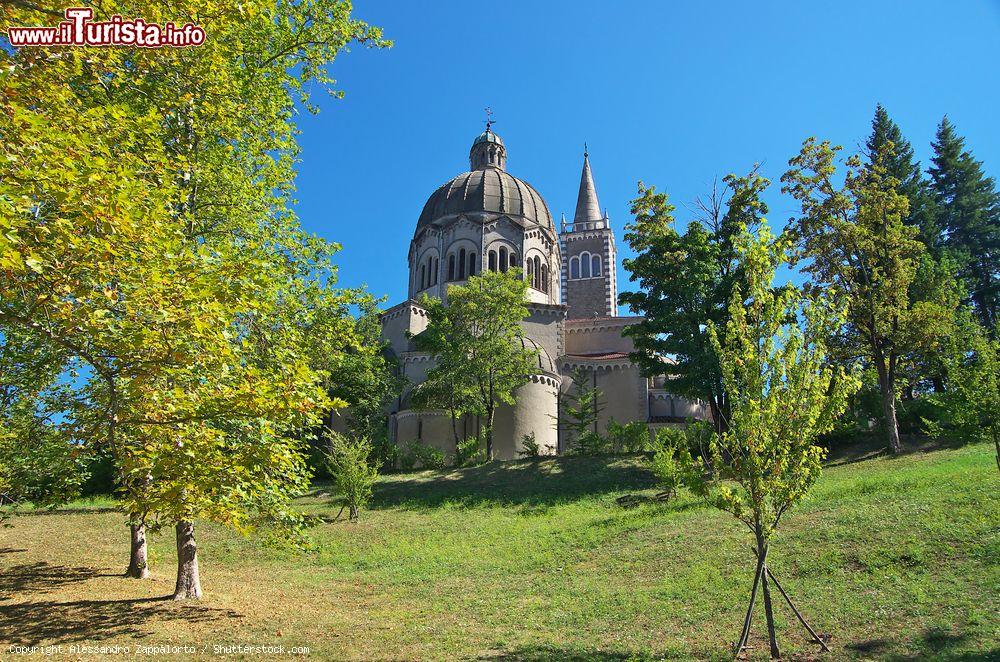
(672, 93)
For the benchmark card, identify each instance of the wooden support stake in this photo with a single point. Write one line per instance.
(815, 636)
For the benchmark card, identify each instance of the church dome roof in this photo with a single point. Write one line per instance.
(488, 136)
(486, 190)
(486, 187)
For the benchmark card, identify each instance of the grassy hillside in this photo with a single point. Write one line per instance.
(896, 558)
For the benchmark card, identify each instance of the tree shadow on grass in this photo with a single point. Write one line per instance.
(32, 622)
(40, 577)
(546, 653)
(49, 622)
(533, 483)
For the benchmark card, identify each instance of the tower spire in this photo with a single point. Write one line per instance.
(587, 206)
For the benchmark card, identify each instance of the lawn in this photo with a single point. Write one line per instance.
(895, 558)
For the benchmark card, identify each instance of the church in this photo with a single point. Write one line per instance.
(486, 218)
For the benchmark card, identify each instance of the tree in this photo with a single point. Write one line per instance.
(581, 409)
(968, 212)
(352, 471)
(899, 163)
(783, 393)
(368, 379)
(148, 209)
(854, 244)
(685, 281)
(972, 400)
(478, 343)
(38, 461)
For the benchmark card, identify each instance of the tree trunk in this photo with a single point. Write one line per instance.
(188, 582)
(353, 512)
(137, 564)
(769, 614)
(489, 435)
(745, 634)
(888, 389)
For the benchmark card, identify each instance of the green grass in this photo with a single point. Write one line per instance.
(896, 558)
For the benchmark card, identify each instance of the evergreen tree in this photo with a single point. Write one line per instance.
(581, 410)
(968, 212)
(900, 164)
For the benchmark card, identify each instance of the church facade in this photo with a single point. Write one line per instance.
(486, 218)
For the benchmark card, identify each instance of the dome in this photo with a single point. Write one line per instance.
(486, 190)
(488, 136)
(543, 360)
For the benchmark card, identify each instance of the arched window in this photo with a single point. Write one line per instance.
(574, 267)
(512, 259)
(584, 265)
(451, 267)
(503, 259)
(432, 269)
(545, 278)
(595, 268)
(461, 264)
(538, 272)
(529, 274)
(493, 260)
(423, 276)
(472, 263)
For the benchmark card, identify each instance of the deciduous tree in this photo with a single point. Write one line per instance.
(478, 343)
(784, 393)
(853, 242)
(685, 281)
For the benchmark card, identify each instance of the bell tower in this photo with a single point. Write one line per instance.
(589, 257)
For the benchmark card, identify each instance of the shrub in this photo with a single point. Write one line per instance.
(629, 438)
(417, 453)
(672, 463)
(348, 464)
(590, 443)
(468, 453)
(529, 446)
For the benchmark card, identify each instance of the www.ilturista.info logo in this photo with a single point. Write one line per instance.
(79, 30)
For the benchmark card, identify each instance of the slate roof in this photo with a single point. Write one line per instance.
(489, 190)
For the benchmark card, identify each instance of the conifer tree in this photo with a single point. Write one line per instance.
(968, 212)
(900, 164)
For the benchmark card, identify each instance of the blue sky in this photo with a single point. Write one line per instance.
(670, 93)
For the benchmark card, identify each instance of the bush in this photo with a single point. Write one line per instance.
(347, 461)
(590, 443)
(529, 446)
(629, 438)
(418, 454)
(672, 463)
(468, 453)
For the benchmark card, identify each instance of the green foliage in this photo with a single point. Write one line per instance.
(147, 234)
(367, 377)
(672, 463)
(685, 281)
(469, 452)
(972, 401)
(968, 215)
(784, 394)
(38, 460)
(853, 242)
(478, 345)
(590, 443)
(418, 454)
(581, 408)
(349, 464)
(529, 446)
(631, 437)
